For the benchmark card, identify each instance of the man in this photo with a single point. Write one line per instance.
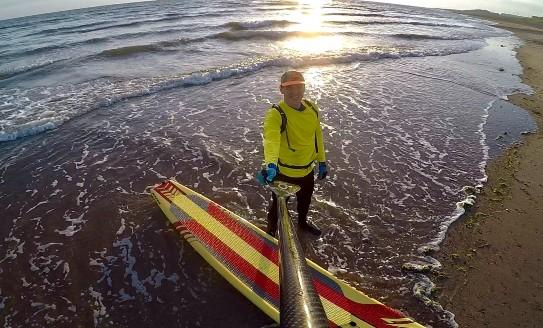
(292, 144)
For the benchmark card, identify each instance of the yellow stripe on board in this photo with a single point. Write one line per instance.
(335, 313)
(235, 216)
(242, 248)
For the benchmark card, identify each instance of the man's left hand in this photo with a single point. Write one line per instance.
(323, 170)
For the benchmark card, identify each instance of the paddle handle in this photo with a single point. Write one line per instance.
(300, 305)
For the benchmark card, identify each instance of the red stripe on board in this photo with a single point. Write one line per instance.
(163, 186)
(243, 232)
(168, 189)
(176, 187)
(370, 313)
(163, 196)
(162, 190)
(252, 273)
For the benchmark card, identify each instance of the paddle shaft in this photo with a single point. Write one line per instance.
(300, 305)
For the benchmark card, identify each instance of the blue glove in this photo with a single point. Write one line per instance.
(271, 172)
(260, 177)
(267, 175)
(323, 170)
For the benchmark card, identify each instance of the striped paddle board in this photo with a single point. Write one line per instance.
(247, 258)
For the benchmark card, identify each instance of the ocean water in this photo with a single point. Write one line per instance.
(98, 105)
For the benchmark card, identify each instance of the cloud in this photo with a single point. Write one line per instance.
(531, 7)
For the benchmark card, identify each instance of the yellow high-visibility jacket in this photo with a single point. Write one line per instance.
(303, 129)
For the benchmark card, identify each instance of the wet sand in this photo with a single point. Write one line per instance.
(493, 256)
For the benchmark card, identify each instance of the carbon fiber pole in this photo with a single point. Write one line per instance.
(300, 305)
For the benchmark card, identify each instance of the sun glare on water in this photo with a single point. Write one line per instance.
(314, 38)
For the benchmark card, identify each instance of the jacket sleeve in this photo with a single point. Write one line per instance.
(272, 136)
(321, 156)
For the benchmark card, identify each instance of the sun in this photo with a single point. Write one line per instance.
(310, 15)
(314, 38)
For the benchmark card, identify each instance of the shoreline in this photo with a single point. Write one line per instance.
(492, 256)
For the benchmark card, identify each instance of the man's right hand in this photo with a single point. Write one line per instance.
(267, 175)
(271, 172)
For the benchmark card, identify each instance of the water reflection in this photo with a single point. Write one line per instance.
(316, 78)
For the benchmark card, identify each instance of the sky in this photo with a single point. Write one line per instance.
(18, 8)
(515, 7)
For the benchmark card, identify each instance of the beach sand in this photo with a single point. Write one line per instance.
(492, 258)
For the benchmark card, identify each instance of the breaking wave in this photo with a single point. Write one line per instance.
(71, 101)
(11, 72)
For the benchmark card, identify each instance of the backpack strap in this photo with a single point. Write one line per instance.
(312, 107)
(283, 123)
(283, 117)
